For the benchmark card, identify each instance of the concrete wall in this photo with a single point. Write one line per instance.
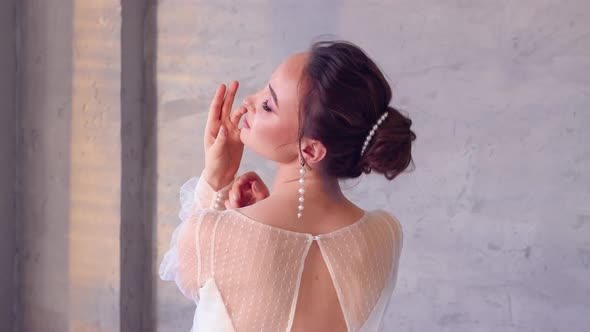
(138, 168)
(496, 214)
(45, 57)
(84, 198)
(8, 164)
(70, 167)
(95, 167)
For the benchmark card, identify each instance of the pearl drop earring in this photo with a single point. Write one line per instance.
(301, 190)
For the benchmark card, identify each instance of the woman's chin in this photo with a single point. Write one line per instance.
(242, 135)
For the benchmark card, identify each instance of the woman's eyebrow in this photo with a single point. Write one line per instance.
(274, 95)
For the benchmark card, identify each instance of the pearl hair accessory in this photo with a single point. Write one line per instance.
(302, 161)
(372, 132)
(301, 190)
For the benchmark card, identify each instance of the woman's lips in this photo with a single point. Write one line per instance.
(246, 125)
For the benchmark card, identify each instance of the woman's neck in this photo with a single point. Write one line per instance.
(325, 193)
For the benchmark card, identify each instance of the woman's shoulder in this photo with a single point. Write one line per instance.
(392, 220)
(274, 214)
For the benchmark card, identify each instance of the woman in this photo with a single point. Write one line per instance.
(302, 257)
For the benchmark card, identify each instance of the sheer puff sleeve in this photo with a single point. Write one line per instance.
(181, 263)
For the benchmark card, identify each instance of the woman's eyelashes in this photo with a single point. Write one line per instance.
(265, 106)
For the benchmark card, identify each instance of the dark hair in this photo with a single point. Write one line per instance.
(345, 94)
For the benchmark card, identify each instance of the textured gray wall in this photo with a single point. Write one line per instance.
(8, 164)
(496, 214)
(45, 60)
(138, 168)
(70, 166)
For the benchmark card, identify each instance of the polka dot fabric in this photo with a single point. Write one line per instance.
(257, 267)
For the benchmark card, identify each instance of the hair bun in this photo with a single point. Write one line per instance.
(390, 151)
(344, 95)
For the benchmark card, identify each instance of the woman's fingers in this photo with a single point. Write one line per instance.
(251, 187)
(259, 191)
(250, 177)
(214, 117)
(237, 115)
(220, 108)
(239, 192)
(229, 100)
(233, 201)
(246, 190)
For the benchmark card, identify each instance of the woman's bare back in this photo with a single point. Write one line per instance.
(318, 307)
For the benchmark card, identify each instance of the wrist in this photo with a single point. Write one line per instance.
(216, 181)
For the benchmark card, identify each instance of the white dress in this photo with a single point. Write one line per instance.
(245, 275)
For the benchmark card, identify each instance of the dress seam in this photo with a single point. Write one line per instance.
(297, 286)
(212, 254)
(336, 286)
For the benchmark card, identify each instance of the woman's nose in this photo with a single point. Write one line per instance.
(248, 103)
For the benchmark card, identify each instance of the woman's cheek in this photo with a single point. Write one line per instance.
(281, 134)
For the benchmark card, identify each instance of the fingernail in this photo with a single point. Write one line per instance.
(234, 196)
(222, 131)
(255, 186)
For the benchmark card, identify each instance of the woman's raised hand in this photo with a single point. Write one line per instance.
(246, 190)
(223, 148)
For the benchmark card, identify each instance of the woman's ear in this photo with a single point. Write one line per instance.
(313, 151)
